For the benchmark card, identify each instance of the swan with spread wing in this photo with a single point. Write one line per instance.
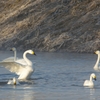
(22, 67)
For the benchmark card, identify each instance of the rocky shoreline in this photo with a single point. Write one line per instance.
(50, 25)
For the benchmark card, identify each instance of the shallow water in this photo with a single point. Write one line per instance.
(57, 76)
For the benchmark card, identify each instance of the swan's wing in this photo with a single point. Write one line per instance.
(21, 61)
(13, 67)
(10, 82)
(86, 83)
(9, 59)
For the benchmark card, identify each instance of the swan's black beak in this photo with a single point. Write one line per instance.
(11, 49)
(95, 79)
(94, 52)
(35, 54)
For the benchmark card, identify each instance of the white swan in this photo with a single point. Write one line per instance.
(12, 58)
(15, 52)
(23, 70)
(14, 81)
(97, 65)
(89, 83)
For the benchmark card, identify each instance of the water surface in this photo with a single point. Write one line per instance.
(57, 76)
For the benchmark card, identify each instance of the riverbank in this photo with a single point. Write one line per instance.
(50, 25)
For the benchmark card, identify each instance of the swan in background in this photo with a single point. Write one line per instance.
(15, 52)
(23, 70)
(12, 58)
(89, 83)
(14, 81)
(97, 65)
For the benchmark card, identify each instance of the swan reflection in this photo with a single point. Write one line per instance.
(92, 94)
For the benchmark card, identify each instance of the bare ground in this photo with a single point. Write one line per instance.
(50, 25)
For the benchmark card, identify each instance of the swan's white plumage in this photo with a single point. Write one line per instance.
(89, 83)
(22, 61)
(97, 64)
(14, 81)
(23, 70)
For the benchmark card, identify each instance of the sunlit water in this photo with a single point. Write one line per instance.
(57, 76)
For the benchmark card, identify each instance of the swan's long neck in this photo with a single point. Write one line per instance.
(15, 55)
(26, 59)
(97, 62)
(90, 78)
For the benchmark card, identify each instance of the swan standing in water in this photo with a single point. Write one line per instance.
(12, 58)
(90, 83)
(22, 67)
(97, 65)
(14, 81)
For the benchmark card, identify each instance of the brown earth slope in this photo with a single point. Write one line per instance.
(50, 25)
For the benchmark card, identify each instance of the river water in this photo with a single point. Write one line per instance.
(57, 76)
